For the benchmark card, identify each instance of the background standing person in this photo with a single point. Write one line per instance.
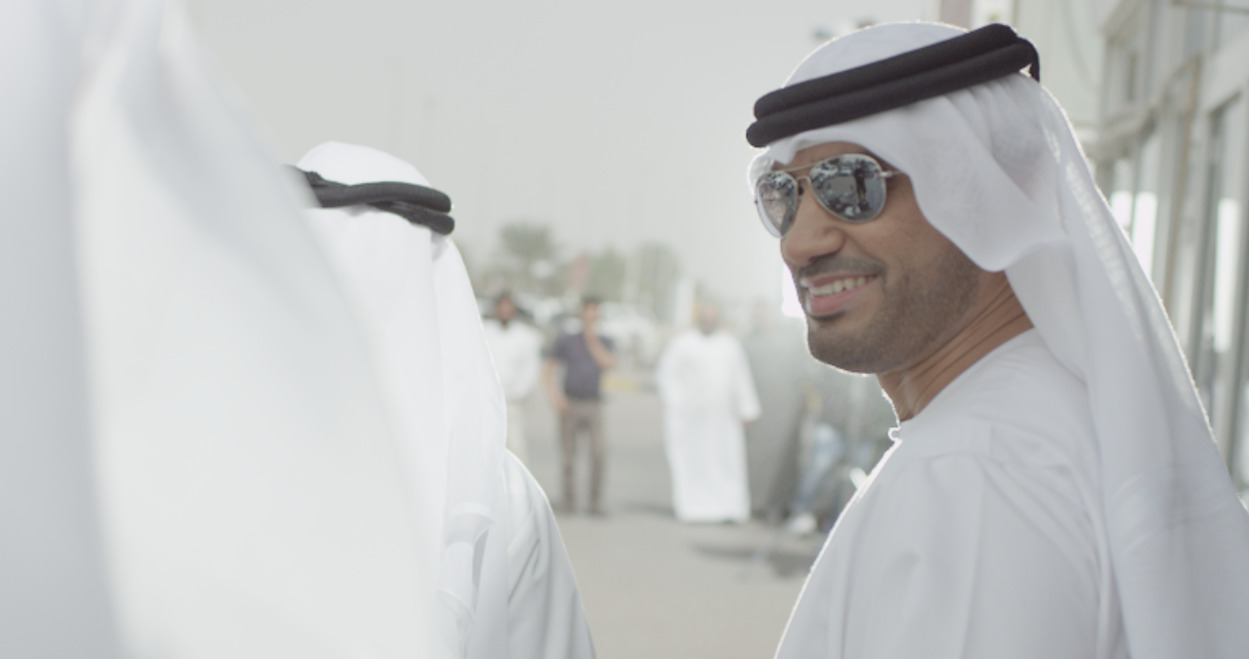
(850, 423)
(708, 395)
(516, 350)
(579, 403)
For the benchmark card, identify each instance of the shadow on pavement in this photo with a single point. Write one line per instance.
(784, 561)
(649, 508)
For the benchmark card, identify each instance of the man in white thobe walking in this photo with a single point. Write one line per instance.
(708, 394)
(516, 349)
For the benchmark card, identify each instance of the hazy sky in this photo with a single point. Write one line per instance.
(615, 123)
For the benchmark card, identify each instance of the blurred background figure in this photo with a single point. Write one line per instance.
(516, 349)
(505, 587)
(850, 418)
(582, 357)
(781, 366)
(708, 395)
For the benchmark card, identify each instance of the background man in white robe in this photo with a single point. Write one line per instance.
(705, 384)
(516, 349)
(1053, 490)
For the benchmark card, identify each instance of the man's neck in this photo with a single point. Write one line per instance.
(1000, 318)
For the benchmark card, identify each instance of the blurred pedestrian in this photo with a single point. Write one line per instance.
(780, 366)
(516, 349)
(583, 356)
(1053, 489)
(708, 395)
(849, 430)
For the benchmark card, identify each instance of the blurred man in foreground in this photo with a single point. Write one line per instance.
(1053, 489)
(505, 587)
(195, 459)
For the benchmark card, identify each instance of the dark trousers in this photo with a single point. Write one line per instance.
(583, 416)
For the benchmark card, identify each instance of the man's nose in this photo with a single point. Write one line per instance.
(813, 234)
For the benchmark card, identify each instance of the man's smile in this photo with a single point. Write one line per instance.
(826, 295)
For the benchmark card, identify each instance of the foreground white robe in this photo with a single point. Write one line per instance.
(490, 538)
(196, 463)
(980, 534)
(707, 391)
(545, 616)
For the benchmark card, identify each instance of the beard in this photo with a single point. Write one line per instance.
(919, 312)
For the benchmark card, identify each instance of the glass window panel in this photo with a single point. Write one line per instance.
(1224, 204)
(1227, 243)
(1195, 34)
(1144, 226)
(1233, 23)
(1122, 185)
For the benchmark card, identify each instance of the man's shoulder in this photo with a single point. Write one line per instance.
(1018, 404)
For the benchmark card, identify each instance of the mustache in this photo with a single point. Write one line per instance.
(834, 264)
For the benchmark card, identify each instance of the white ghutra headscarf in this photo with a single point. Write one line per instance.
(413, 295)
(997, 169)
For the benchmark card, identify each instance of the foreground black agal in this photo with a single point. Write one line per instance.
(984, 54)
(415, 203)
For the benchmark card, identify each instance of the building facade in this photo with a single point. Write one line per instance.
(1172, 155)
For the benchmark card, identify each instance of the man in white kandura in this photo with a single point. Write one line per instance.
(195, 461)
(505, 586)
(516, 349)
(1053, 489)
(707, 392)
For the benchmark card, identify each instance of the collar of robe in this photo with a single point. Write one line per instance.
(984, 54)
(415, 203)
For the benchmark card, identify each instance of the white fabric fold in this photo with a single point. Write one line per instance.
(996, 168)
(55, 600)
(248, 481)
(411, 290)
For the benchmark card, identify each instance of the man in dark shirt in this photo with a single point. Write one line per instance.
(584, 355)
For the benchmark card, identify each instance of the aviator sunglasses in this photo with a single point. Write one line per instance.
(850, 186)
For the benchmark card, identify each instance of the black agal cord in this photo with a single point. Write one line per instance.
(985, 54)
(415, 203)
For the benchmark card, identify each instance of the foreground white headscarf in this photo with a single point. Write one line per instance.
(249, 493)
(411, 288)
(55, 599)
(996, 168)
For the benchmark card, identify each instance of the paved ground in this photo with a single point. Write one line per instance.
(656, 588)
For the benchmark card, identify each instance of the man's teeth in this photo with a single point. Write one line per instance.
(837, 286)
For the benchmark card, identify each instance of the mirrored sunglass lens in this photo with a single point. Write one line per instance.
(850, 187)
(776, 195)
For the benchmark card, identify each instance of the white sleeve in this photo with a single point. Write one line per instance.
(979, 560)
(545, 616)
(958, 556)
